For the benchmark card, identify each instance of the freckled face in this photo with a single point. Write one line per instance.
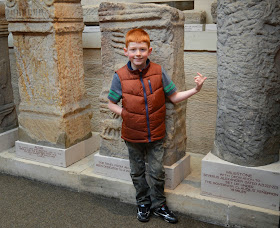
(138, 54)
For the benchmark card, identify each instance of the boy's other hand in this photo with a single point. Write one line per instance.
(199, 80)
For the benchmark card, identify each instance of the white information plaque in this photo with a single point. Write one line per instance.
(257, 186)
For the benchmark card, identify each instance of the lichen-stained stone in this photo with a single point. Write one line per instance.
(47, 38)
(248, 117)
(8, 116)
(165, 27)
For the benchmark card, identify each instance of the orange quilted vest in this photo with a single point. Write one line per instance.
(143, 101)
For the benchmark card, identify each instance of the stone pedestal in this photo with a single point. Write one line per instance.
(57, 156)
(120, 169)
(165, 26)
(8, 116)
(8, 138)
(47, 35)
(257, 186)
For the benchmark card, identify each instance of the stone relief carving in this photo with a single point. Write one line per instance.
(11, 3)
(49, 2)
(111, 127)
(165, 27)
(54, 110)
(248, 117)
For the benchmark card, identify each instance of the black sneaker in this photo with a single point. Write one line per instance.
(166, 214)
(143, 213)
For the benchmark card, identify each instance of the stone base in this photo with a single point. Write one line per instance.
(58, 156)
(8, 138)
(120, 169)
(257, 186)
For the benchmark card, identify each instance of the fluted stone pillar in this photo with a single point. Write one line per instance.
(47, 36)
(165, 26)
(244, 164)
(248, 118)
(8, 116)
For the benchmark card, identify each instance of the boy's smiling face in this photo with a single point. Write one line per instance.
(138, 54)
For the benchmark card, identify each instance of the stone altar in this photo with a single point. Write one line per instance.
(47, 35)
(8, 115)
(165, 26)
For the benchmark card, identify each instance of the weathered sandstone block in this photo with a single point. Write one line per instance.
(165, 27)
(90, 14)
(192, 17)
(8, 116)
(48, 46)
(214, 11)
(248, 118)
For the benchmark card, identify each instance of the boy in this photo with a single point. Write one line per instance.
(143, 85)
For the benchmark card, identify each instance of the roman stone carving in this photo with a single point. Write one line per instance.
(165, 27)
(48, 47)
(248, 117)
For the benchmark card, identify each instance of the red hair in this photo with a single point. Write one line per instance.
(137, 35)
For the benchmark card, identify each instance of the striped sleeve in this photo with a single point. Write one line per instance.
(115, 93)
(168, 85)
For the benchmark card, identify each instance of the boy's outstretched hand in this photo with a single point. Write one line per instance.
(199, 80)
(180, 96)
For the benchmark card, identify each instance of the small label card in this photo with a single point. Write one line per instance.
(194, 27)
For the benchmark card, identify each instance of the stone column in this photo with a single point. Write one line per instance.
(47, 36)
(165, 27)
(8, 116)
(248, 118)
(244, 165)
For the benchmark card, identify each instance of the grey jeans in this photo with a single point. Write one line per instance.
(152, 152)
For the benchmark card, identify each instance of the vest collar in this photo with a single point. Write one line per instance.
(138, 71)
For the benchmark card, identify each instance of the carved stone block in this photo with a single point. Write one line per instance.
(192, 17)
(47, 39)
(165, 26)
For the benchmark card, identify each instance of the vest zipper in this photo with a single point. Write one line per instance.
(150, 85)
(146, 106)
